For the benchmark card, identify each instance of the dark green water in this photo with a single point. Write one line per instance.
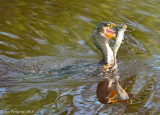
(47, 56)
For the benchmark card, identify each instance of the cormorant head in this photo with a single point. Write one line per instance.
(105, 29)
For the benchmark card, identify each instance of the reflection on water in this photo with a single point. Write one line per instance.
(107, 95)
(47, 56)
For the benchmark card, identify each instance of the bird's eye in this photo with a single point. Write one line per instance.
(108, 25)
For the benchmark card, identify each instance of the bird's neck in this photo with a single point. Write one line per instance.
(108, 55)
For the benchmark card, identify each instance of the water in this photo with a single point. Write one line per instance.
(47, 56)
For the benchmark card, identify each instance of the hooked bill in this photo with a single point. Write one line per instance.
(110, 33)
